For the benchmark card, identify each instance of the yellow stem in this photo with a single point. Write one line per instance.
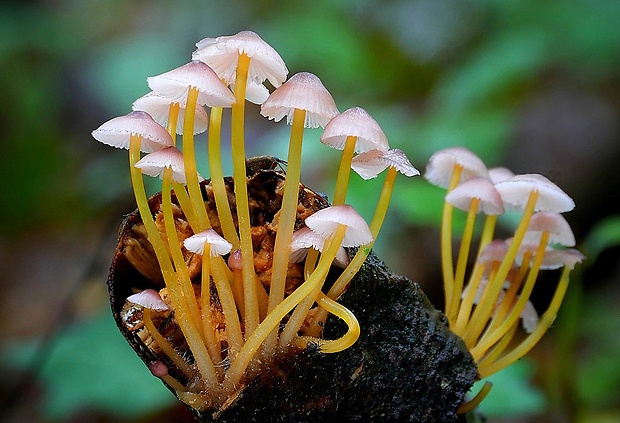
(468, 302)
(220, 193)
(446, 239)
(342, 181)
(336, 345)
(489, 339)
(207, 322)
(480, 396)
(186, 205)
(286, 222)
(498, 349)
(241, 196)
(487, 232)
(532, 339)
(174, 245)
(173, 117)
(271, 322)
(310, 263)
(356, 263)
(461, 262)
(483, 312)
(231, 317)
(189, 160)
(165, 345)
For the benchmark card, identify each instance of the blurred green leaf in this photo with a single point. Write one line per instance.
(605, 234)
(91, 365)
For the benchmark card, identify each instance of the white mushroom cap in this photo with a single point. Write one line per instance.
(153, 164)
(529, 317)
(441, 165)
(371, 163)
(196, 243)
(222, 53)
(149, 298)
(555, 259)
(559, 230)
(358, 123)
(117, 132)
(516, 190)
(500, 174)
(494, 251)
(303, 91)
(159, 107)
(306, 238)
(326, 221)
(175, 84)
(254, 93)
(480, 188)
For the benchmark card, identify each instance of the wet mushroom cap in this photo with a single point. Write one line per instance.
(371, 163)
(358, 123)
(117, 132)
(305, 238)
(174, 85)
(441, 165)
(554, 223)
(149, 298)
(222, 54)
(159, 107)
(303, 91)
(155, 163)
(326, 221)
(490, 201)
(516, 190)
(196, 243)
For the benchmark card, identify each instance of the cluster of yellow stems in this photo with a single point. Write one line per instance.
(486, 313)
(261, 322)
(224, 73)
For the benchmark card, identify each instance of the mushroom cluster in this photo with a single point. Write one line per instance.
(227, 323)
(247, 275)
(485, 310)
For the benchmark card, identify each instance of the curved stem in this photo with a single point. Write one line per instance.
(342, 181)
(474, 402)
(237, 369)
(207, 322)
(468, 302)
(173, 117)
(342, 343)
(487, 232)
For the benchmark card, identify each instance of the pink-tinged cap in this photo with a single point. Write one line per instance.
(490, 202)
(149, 298)
(218, 245)
(153, 164)
(516, 191)
(355, 122)
(117, 132)
(371, 163)
(326, 221)
(559, 230)
(441, 165)
(159, 107)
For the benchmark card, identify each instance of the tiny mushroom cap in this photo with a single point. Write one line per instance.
(158, 107)
(326, 221)
(529, 317)
(555, 259)
(305, 238)
(149, 298)
(117, 132)
(494, 251)
(500, 174)
(153, 164)
(174, 85)
(196, 243)
(222, 53)
(303, 91)
(358, 123)
(371, 163)
(481, 188)
(442, 163)
(516, 190)
(559, 230)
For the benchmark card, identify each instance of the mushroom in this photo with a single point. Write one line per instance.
(354, 130)
(342, 226)
(474, 195)
(306, 103)
(198, 84)
(447, 168)
(211, 246)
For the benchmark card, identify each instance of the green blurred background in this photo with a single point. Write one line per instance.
(533, 85)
